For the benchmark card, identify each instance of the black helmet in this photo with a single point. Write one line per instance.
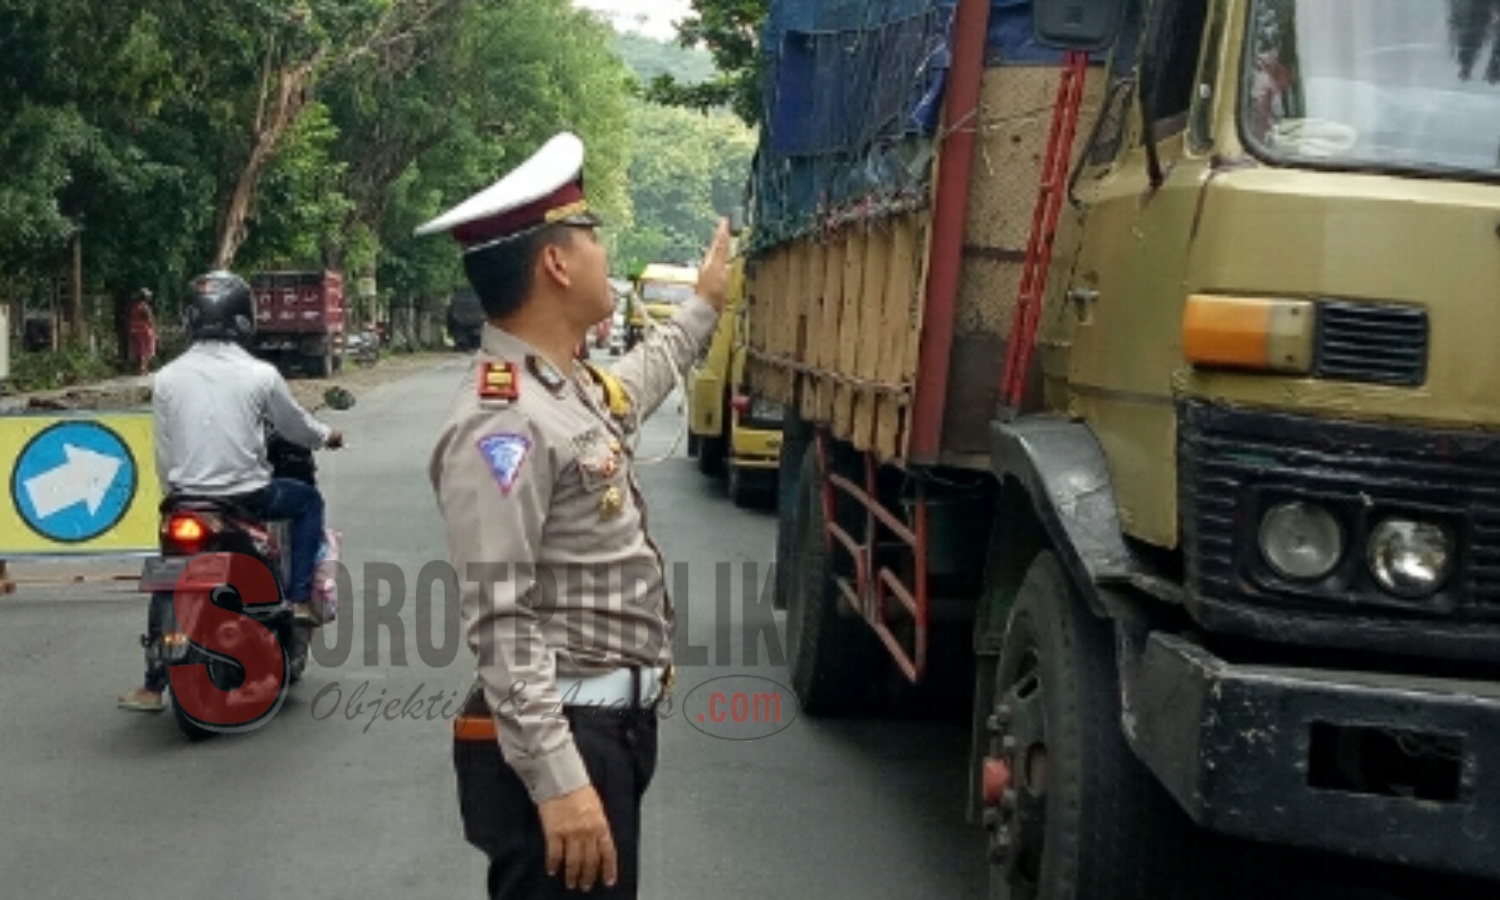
(220, 306)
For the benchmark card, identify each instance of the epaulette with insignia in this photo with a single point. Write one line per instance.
(498, 381)
(614, 391)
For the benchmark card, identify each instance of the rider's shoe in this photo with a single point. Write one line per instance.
(142, 700)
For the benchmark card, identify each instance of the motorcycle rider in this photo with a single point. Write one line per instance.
(210, 406)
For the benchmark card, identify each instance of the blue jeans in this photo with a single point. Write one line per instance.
(302, 504)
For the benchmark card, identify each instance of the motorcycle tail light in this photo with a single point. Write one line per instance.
(187, 533)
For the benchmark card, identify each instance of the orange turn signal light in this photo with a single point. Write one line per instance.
(1251, 333)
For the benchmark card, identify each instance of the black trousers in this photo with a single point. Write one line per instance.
(499, 817)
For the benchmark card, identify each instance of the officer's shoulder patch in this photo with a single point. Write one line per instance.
(498, 381)
(505, 454)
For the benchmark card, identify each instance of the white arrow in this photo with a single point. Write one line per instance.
(84, 478)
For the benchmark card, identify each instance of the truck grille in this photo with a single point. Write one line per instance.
(1380, 344)
(1232, 460)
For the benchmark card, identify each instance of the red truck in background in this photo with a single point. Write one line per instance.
(300, 321)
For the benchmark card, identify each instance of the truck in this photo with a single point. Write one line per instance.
(732, 430)
(656, 292)
(1138, 364)
(300, 320)
(465, 320)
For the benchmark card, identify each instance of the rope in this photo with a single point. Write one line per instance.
(634, 440)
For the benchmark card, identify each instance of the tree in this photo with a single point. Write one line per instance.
(730, 29)
(686, 169)
(183, 134)
(298, 47)
(516, 74)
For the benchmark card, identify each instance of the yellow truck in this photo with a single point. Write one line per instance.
(657, 292)
(1149, 347)
(732, 429)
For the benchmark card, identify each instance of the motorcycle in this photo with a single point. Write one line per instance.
(203, 542)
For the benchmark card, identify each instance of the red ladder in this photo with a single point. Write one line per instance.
(1055, 170)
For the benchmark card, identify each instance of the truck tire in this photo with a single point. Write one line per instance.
(796, 436)
(832, 653)
(739, 491)
(1083, 819)
(711, 453)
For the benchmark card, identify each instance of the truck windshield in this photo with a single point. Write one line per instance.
(1376, 84)
(665, 292)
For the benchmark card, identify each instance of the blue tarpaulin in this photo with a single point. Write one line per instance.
(853, 96)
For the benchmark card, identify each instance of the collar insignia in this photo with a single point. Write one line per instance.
(546, 374)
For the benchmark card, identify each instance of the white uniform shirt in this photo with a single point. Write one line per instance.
(210, 407)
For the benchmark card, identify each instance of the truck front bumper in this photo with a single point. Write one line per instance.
(1394, 768)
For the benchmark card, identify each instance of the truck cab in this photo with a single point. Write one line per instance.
(732, 429)
(657, 292)
(1173, 393)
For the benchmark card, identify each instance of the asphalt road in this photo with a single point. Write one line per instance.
(328, 801)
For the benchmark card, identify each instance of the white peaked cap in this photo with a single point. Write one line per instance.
(546, 188)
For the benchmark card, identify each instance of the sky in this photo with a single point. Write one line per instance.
(660, 14)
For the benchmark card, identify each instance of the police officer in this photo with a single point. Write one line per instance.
(564, 598)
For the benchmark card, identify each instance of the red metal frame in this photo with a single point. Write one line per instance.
(1044, 228)
(950, 213)
(874, 584)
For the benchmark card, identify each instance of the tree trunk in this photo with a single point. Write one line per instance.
(77, 330)
(232, 231)
(289, 101)
(121, 311)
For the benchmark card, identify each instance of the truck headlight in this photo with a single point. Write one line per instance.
(1301, 541)
(1411, 558)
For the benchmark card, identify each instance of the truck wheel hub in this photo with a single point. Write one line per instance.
(1018, 747)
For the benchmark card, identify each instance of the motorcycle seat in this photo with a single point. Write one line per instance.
(223, 505)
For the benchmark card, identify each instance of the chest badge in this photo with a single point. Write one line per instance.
(611, 503)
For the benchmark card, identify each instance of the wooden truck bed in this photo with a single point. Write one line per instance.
(842, 313)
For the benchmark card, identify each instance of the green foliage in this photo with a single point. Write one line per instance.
(518, 73)
(685, 170)
(302, 207)
(730, 30)
(343, 125)
(649, 59)
(52, 370)
(138, 122)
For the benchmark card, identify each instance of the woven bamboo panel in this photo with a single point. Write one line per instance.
(1015, 125)
(848, 330)
(850, 304)
(871, 326)
(833, 306)
(900, 328)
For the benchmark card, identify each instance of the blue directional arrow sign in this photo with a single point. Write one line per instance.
(74, 481)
